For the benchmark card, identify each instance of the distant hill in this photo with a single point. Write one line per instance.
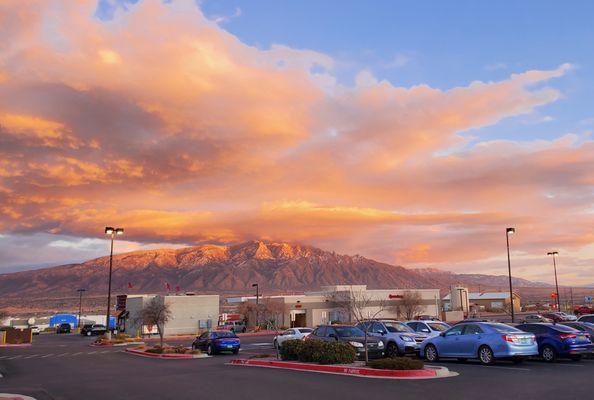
(228, 269)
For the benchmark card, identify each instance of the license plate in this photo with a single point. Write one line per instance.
(525, 341)
(229, 346)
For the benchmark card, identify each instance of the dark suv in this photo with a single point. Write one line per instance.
(351, 335)
(63, 328)
(93, 329)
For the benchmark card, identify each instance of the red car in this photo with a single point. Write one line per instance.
(581, 310)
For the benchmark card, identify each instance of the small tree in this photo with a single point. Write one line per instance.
(156, 313)
(270, 312)
(410, 305)
(247, 309)
(360, 307)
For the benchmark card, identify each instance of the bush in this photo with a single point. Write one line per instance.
(179, 349)
(290, 349)
(155, 350)
(397, 363)
(326, 352)
(121, 336)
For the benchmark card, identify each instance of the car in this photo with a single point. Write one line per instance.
(587, 327)
(581, 310)
(467, 320)
(485, 341)
(35, 330)
(351, 335)
(291, 334)
(429, 328)
(398, 338)
(426, 317)
(586, 318)
(234, 326)
(559, 341)
(535, 318)
(214, 342)
(93, 329)
(63, 328)
(559, 316)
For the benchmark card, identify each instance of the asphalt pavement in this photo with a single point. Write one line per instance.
(66, 367)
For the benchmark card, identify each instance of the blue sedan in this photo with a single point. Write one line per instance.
(217, 341)
(485, 341)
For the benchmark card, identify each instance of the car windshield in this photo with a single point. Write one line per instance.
(223, 334)
(438, 327)
(503, 328)
(305, 330)
(348, 331)
(397, 327)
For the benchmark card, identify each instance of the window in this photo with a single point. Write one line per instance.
(305, 330)
(330, 331)
(349, 331)
(377, 328)
(503, 328)
(395, 327)
(456, 330)
(436, 326)
(471, 329)
(415, 326)
(204, 335)
(589, 318)
(320, 332)
(532, 328)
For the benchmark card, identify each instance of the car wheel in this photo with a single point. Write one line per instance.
(431, 353)
(210, 350)
(236, 351)
(462, 360)
(548, 354)
(485, 355)
(391, 350)
(243, 330)
(576, 358)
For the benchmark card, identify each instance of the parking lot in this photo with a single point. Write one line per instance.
(66, 367)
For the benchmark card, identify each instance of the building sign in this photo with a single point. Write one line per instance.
(588, 299)
(121, 302)
(395, 296)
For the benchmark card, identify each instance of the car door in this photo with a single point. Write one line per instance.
(449, 345)
(331, 335)
(203, 341)
(289, 334)
(470, 340)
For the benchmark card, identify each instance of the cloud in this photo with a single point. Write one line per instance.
(183, 134)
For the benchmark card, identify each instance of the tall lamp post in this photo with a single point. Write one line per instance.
(80, 293)
(257, 304)
(509, 231)
(553, 254)
(112, 232)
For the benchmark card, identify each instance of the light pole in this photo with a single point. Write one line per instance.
(257, 303)
(509, 231)
(112, 232)
(553, 254)
(80, 293)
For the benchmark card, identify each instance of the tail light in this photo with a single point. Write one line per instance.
(517, 339)
(567, 336)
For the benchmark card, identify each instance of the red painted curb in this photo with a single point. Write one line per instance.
(16, 345)
(165, 356)
(336, 369)
(191, 337)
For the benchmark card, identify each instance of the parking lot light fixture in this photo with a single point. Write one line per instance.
(510, 231)
(112, 232)
(257, 303)
(553, 254)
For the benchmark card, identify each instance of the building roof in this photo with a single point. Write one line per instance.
(486, 296)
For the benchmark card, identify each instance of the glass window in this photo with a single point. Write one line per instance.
(223, 334)
(532, 328)
(320, 332)
(436, 326)
(471, 329)
(349, 331)
(589, 318)
(305, 330)
(377, 328)
(456, 330)
(563, 328)
(204, 335)
(415, 326)
(502, 328)
(395, 327)
(330, 331)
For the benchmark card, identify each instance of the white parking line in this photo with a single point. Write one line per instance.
(92, 352)
(31, 356)
(570, 365)
(3, 357)
(261, 344)
(47, 355)
(14, 357)
(62, 355)
(106, 351)
(80, 352)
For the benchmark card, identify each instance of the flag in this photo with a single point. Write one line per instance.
(167, 286)
(129, 285)
(177, 288)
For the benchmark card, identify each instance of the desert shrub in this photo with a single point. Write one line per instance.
(290, 349)
(261, 355)
(179, 349)
(326, 352)
(155, 350)
(310, 351)
(396, 363)
(121, 336)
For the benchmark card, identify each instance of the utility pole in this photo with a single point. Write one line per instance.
(511, 294)
(112, 233)
(257, 304)
(80, 293)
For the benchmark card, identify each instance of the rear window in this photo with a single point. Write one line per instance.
(305, 330)
(503, 328)
(589, 318)
(223, 334)
(563, 328)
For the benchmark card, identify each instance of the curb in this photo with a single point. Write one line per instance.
(166, 356)
(16, 345)
(116, 344)
(191, 337)
(364, 372)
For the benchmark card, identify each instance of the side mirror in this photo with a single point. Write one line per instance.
(442, 334)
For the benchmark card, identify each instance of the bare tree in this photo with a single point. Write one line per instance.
(270, 313)
(247, 309)
(156, 313)
(3, 315)
(360, 307)
(410, 305)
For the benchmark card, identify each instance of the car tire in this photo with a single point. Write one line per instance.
(236, 351)
(391, 350)
(210, 350)
(486, 356)
(243, 330)
(431, 354)
(548, 354)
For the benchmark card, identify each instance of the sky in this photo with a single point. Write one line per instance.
(408, 132)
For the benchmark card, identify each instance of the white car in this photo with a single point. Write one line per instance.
(430, 328)
(291, 334)
(35, 330)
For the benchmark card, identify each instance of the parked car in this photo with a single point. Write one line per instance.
(587, 327)
(93, 329)
(586, 318)
(467, 320)
(425, 317)
(351, 335)
(535, 318)
(214, 342)
(559, 316)
(582, 310)
(291, 334)
(35, 330)
(559, 341)
(399, 339)
(234, 326)
(486, 341)
(64, 328)
(430, 328)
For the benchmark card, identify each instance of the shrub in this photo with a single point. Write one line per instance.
(155, 350)
(121, 336)
(310, 351)
(290, 349)
(326, 352)
(261, 355)
(396, 363)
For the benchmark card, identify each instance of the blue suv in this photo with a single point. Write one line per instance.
(398, 337)
(559, 341)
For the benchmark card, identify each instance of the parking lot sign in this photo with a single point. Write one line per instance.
(588, 299)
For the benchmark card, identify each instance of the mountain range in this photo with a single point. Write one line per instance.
(228, 269)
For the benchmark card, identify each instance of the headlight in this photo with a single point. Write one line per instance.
(356, 344)
(407, 338)
(380, 344)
